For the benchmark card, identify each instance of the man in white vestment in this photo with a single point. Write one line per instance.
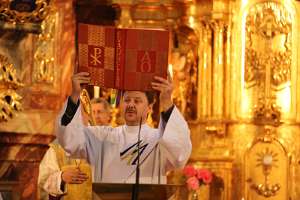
(52, 178)
(112, 152)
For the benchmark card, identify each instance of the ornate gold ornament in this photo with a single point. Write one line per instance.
(266, 159)
(87, 106)
(268, 154)
(218, 129)
(114, 116)
(9, 98)
(268, 44)
(267, 113)
(23, 12)
(44, 56)
(268, 57)
(268, 136)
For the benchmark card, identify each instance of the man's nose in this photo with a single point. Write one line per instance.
(130, 103)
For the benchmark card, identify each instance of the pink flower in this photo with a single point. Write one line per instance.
(192, 183)
(189, 171)
(204, 175)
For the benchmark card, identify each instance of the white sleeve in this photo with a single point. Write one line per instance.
(49, 179)
(175, 142)
(81, 141)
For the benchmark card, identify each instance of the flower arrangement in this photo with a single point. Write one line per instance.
(195, 177)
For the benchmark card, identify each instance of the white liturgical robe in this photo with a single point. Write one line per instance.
(112, 152)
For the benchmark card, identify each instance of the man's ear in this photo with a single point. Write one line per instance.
(150, 107)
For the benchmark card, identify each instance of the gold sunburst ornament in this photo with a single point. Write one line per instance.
(266, 159)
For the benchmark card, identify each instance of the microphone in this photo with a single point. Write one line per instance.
(135, 188)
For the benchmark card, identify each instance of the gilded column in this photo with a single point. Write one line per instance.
(217, 108)
(205, 73)
(227, 61)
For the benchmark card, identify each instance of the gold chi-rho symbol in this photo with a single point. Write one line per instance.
(96, 56)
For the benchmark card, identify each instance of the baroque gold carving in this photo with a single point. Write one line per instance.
(184, 61)
(279, 63)
(267, 112)
(13, 16)
(268, 155)
(87, 106)
(268, 136)
(269, 29)
(266, 159)
(44, 56)
(9, 99)
(217, 128)
(268, 58)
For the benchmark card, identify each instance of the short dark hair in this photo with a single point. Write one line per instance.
(150, 96)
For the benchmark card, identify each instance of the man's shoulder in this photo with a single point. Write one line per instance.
(154, 131)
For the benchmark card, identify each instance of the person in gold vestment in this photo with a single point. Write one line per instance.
(57, 170)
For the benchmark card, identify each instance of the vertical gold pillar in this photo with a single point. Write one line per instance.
(214, 58)
(227, 61)
(218, 71)
(205, 72)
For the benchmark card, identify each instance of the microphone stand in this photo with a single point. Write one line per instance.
(135, 188)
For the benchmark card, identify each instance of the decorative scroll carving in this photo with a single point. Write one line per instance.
(9, 99)
(268, 57)
(279, 63)
(44, 56)
(18, 15)
(268, 25)
(267, 112)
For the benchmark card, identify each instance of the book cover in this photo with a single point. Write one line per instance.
(126, 59)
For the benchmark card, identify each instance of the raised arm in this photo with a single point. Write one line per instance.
(175, 141)
(78, 140)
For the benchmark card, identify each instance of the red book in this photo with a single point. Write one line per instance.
(126, 59)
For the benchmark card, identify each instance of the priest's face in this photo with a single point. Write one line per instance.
(101, 113)
(135, 107)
